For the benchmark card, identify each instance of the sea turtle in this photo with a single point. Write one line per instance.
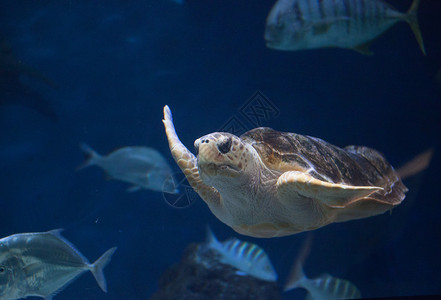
(267, 183)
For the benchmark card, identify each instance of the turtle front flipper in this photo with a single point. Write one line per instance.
(188, 163)
(329, 194)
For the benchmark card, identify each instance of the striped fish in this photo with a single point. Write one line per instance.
(247, 257)
(351, 24)
(324, 287)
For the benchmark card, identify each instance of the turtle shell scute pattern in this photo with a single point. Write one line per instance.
(353, 165)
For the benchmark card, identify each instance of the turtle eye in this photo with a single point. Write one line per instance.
(225, 145)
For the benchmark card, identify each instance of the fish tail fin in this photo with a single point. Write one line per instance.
(90, 154)
(412, 18)
(97, 268)
(418, 164)
(297, 274)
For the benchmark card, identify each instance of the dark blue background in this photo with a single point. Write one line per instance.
(117, 63)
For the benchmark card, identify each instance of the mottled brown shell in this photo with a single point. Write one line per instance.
(353, 165)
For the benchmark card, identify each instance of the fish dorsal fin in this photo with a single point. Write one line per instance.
(209, 235)
(364, 48)
(211, 240)
(57, 232)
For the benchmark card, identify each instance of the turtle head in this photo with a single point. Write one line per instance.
(221, 156)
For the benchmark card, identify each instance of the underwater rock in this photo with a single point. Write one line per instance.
(200, 275)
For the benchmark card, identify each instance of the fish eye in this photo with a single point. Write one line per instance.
(2, 269)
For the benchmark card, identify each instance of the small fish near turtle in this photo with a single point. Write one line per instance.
(352, 24)
(267, 183)
(248, 258)
(143, 167)
(324, 287)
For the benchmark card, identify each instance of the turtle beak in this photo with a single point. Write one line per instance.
(211, 156)
(206, 150)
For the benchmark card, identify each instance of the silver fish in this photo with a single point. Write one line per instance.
(244, 256)
(42, 264)
(351, 24)
(143, 167)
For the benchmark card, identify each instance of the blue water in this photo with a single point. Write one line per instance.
(117, 63)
